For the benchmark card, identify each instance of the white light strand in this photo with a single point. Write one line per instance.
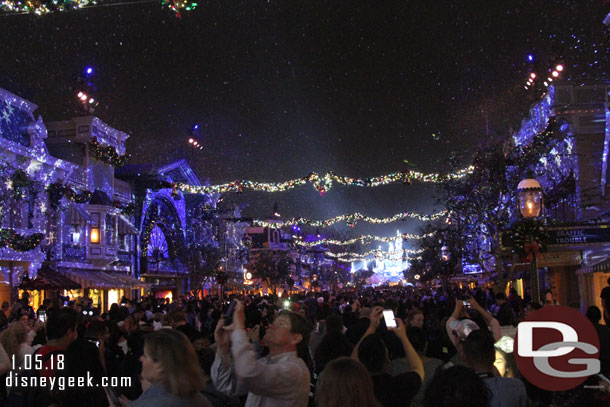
(351, 219)
(361, 238)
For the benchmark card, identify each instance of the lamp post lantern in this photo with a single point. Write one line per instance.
(531, 205)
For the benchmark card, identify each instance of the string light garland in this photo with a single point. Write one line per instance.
(57, 190)
(126, 209)
(10, 238)
(178, 6)
(361, 238)
(107, 154)
(42, 7)
(354, 259)
(350, 219)
(147, 232)
(323, 183)
(19, 183)
(374, 252)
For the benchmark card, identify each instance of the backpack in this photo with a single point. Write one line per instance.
(21, 396)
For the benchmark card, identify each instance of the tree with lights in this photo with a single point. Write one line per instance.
(432, 263)
(203, 255)
(272, 268)
(482, 205)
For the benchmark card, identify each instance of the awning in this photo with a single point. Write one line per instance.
(99, 279)
(132, 282)
(602, 267)
(234, 285)
(126, 227)
(48, 279)
(77, 213)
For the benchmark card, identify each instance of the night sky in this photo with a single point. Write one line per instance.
(284, 88)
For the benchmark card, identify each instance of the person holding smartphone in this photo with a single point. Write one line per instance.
(396, 390)
(280, 379)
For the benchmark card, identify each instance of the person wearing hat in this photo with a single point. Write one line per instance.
(460, 324)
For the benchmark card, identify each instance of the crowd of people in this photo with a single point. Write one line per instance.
(383, 346)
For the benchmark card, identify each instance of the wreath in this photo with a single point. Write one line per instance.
(107, 154)
(529, 237)
(10, 238)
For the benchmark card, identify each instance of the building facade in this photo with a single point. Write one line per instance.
(575, 267)
(27, 235)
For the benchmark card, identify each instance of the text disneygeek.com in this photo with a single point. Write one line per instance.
(61, 383)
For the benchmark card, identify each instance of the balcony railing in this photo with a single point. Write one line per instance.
(78, 178)
(122, 189)
(72, 252)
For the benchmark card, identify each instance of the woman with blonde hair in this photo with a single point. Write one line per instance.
(14, 339)
(345, 382)
(171, 376)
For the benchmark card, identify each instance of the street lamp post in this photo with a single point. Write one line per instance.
(445, 257)
(531, 204)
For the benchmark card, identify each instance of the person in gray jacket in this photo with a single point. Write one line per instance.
(281, 379)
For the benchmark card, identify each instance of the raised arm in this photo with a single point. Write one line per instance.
(493, 323)
(221, 372)
(375, 320)
(280, 380)
(457, 312)
(411, 355)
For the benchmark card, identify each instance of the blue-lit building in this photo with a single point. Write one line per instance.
(96, 236)
(76, 221)
(28, 234)
(577, 263)
(164, 218)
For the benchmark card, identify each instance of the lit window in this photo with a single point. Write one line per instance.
(95, 235)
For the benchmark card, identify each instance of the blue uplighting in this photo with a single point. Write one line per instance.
(530, 58)
(89, 70)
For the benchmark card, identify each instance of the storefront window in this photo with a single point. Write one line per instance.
(97, 296)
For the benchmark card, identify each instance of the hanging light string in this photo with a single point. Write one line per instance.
(350, 219)
(361, 238)
(16, 7)
(323, 183)
(375, 252)
(353, 259)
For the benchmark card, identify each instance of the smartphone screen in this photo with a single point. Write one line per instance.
(229, 313)
(42, 316)
(388, 316)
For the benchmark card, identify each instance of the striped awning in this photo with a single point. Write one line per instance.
(49, 279)
(602, 267)
(133, 282)
(599, 267)
(99, 279)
